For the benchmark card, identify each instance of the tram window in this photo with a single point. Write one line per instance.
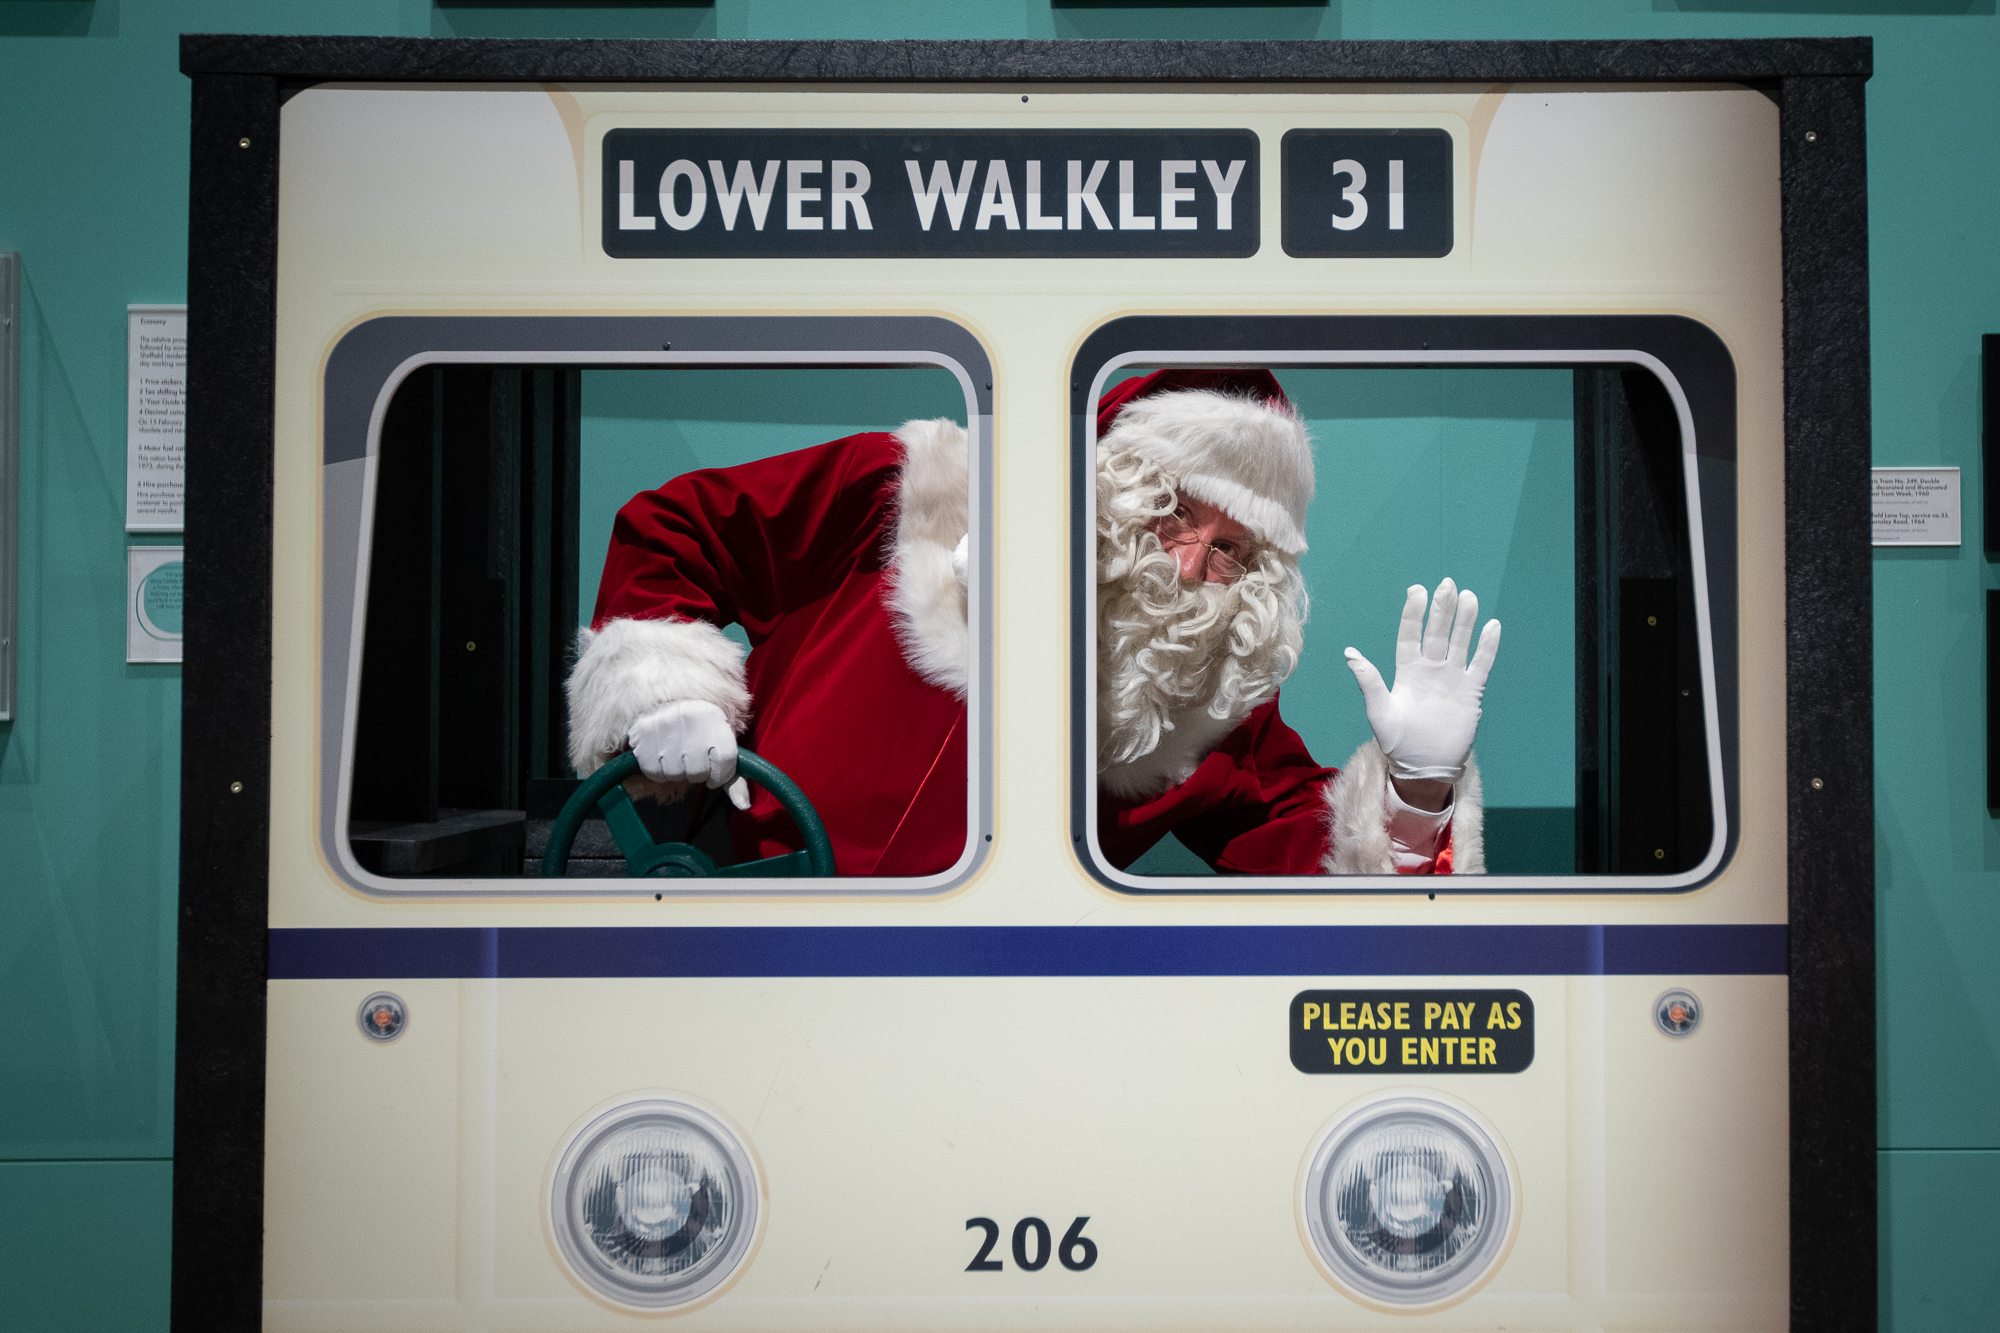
(1557, 495)
(498, 532)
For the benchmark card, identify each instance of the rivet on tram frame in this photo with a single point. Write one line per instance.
(382, 1017)
(244, 142)
(1812, 136)
(1818, 783)
(235, 789)
(1677, 1013)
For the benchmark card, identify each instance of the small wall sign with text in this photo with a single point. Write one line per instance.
(153, 603)
(155, 416)
(966, 194)
(1916, 506)
(1412, 1031)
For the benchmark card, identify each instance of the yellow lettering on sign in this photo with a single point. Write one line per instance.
(1409, 1050)
(1514, 1014)
(1357, 1050)
(1450, 1015)
(1430, 1013)
(1367, 1016)
(1347, 1014)
(1495, 1019)
(1403, 1014)
(1336, 1043)
(1487, 1050)
(1466, 1009)
(1378, 1050)
(1429, 1047)
(1312, 1012)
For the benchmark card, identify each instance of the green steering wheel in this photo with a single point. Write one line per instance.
(676, 860)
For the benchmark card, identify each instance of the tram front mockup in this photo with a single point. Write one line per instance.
(957, 703)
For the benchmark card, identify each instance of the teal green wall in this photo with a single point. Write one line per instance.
(1424, 474)
(93, 170)
(641, 427)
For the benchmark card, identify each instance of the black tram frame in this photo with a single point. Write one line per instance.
(239, 84)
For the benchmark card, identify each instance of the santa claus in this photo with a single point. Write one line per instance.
(846, 566)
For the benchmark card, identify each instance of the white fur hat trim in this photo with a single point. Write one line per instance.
(1249, 458)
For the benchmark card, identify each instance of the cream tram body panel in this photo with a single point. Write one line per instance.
(405, 1182)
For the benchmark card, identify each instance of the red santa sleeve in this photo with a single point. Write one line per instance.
(744, 545)
(1261, 805)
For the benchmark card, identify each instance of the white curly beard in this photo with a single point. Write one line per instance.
(1173, 657)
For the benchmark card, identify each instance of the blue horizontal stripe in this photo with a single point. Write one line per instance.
(1025, 951)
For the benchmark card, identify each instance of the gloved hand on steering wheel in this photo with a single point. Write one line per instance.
(1426, 722)
(689, 741)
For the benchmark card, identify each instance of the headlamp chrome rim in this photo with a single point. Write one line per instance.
(1498, 1205)
(721, 1219)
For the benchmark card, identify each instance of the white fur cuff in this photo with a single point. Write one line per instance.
(1358, 832)
(631, 667)
(930, 561)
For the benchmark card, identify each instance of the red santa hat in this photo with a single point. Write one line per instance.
(1227, 437)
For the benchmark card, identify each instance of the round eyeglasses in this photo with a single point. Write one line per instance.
(1225, 561)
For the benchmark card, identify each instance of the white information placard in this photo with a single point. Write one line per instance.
(1916, 506)
(153, 603)
(155, 416)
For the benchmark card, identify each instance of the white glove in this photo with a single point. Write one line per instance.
(689, 741)
(1426, 723)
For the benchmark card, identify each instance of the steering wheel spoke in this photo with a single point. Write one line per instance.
(791, 865)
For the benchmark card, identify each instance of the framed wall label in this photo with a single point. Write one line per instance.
(155, 416)
(153, 604)
(1916, 506)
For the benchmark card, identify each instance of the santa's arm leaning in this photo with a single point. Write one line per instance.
(657, 675)
(1399, 794)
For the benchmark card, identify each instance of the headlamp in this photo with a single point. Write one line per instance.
(654, 1204)
(1408, 1202)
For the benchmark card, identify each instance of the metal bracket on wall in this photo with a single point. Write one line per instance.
(1989, 440)
(10, 475)
(1989, 518)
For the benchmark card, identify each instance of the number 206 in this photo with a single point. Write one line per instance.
(1357, 203)
(1032, 1245)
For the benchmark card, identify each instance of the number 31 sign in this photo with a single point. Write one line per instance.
(1366, 194)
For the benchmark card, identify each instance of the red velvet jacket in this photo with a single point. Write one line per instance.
(1257, 805)
(795, 549)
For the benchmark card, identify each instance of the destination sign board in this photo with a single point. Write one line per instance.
(672, 193)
